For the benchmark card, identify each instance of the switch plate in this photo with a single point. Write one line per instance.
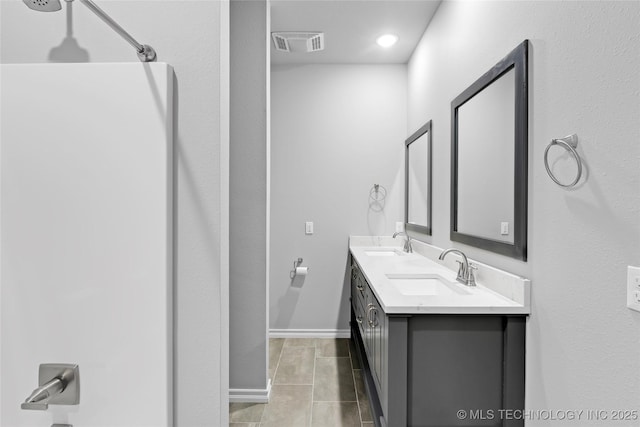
(633, 288)
(399, 226)
(504, 228)
(308, 227)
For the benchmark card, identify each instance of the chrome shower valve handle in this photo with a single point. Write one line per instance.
(59, 384)
(39, 398)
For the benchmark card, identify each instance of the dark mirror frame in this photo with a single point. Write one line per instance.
(516, 60)
(426, 228)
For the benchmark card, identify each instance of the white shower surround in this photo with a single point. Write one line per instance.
(86, 239)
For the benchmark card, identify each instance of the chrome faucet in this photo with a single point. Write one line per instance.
(407, 243)
(465, 271)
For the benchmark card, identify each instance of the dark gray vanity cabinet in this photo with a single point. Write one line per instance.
(420, 370)
(371, 323)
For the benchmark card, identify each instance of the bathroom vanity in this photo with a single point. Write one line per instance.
(435, 352)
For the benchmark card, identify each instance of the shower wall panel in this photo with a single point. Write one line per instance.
(86, 238)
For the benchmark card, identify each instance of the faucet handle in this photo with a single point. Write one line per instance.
(407, 245)
(471, 275)
(462, 272)
(34, 406)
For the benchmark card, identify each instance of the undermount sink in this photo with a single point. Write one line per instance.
(383, 252)
(424, 284)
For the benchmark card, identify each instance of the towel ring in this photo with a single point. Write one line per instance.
(570, 143)
(378, 193)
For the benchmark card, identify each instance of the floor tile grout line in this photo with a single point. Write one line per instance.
(264, 409)
(289, 384)
(275, 372)
(355, 386)
(333, 357)
(313, 387)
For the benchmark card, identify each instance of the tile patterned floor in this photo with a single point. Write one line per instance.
(315, 383)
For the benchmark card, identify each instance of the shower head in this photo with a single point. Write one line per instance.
(43, 5)
(145, 52)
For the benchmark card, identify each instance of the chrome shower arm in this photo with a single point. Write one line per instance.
(145, 52)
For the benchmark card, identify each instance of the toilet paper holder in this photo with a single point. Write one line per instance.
(296, 264)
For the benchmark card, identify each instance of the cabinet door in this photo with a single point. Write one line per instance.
(354, 281)
(354, 285)
(359, 314)
(378, 325)
(361, 285)
(358, 284)
(368, 326)
(369, 329)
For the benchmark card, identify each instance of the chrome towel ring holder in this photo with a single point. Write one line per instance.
(377, 196)
(378, 193)
(570, 143)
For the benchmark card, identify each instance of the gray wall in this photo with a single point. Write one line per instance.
(249, 196)
(582, 341)
(336, 131)
(193, 37)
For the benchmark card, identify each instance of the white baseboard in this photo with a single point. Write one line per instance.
(250, 395)
(309, 333)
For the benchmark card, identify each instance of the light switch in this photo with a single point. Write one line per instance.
(308, 227)
(504, 228)
(633, 288)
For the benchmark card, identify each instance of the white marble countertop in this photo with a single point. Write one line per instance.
(506, 294)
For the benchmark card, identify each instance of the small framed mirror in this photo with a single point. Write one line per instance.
(489, 159)
(417, 211)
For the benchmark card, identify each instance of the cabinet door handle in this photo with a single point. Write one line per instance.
(374, 322)
(369, 308)
(359, 319)
(360, 287)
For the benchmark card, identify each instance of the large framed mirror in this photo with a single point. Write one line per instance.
(489, 159)
(417, 209)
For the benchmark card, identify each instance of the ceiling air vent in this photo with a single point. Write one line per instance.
(290, 41)
(280, 42)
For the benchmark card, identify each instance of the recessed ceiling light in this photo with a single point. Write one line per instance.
(387, 40)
